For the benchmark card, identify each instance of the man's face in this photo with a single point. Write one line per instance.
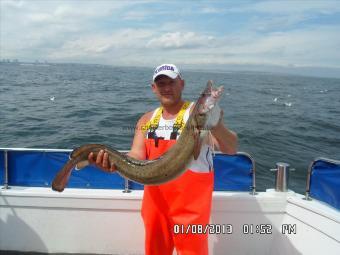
(167, 90)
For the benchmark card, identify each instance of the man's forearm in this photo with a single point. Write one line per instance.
(135, 155)
(226, 139)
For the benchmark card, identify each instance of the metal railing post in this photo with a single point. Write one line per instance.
(6, 170)
(307, 194)
(253, 188)
(253, 185)
(126, 186)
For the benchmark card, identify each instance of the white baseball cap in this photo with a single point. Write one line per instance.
(169, 70)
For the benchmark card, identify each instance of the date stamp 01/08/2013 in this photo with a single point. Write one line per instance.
(265, 229)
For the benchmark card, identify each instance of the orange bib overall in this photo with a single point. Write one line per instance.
(184, 201)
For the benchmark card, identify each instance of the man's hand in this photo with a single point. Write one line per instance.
(102, 161)
(224, 139)
(220, 122)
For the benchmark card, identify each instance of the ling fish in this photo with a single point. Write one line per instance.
(205, 114)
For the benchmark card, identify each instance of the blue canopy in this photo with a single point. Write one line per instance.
(233, 172)
(325, 181)
(38, 169)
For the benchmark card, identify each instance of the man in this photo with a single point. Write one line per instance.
(185, 201)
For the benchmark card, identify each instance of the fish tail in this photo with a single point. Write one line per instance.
(60, 181)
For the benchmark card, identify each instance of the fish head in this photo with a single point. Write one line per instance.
(209, 98)
(207, 109)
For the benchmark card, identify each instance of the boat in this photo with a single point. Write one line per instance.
(99, 213)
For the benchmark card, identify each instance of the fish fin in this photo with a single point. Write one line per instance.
(198, 143)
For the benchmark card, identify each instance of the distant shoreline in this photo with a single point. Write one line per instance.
(314, 72)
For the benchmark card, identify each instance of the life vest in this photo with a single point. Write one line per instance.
(180, 203)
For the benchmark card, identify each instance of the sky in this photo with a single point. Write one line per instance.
(293, 36)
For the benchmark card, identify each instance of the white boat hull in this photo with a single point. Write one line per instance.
(109, 222)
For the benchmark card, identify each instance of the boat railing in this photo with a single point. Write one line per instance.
(37, 167)
(323, 180)
(253, 169)
(5, 170)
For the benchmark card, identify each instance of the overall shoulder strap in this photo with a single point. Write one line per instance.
(179, 122)
(153, 123)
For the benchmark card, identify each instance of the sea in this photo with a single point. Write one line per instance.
(278, 118)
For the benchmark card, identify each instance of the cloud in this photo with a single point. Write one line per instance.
(179, 40)
(140, 33)
(13, 4)
(211, 10)
(277, 23)
(289, 7)
(68, 12)
(135, 15)
(101, 44)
